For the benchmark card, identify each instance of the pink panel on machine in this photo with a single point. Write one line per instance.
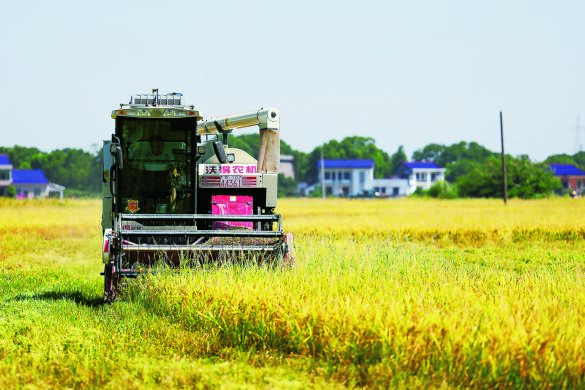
(232, 205)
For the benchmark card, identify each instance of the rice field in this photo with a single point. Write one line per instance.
(408, 293)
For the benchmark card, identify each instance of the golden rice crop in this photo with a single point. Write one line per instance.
(469, 222)
(404, 293)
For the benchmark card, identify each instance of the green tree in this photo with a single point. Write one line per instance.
(460, 168)
(526, 180)
(430, 152)
(11, 192)
(579, 158)
(443, 190)
(482, 181)
(561, 159)
(75, 169)
(20, 156)
(249, 143)
(458, 158)
(444, 155)
(397, 159)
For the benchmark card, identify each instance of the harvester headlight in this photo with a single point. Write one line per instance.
(130, 112)
(170, 113)
(201, 150)
(115, 113)
(231, 157)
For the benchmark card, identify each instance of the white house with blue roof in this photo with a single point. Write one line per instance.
(347, 177)
(29, 183)
(356, 177)
(420, 174)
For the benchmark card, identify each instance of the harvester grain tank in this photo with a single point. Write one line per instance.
(175, 193)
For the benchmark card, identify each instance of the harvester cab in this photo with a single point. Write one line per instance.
(176, 193)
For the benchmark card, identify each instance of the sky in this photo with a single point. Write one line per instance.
(402, 72)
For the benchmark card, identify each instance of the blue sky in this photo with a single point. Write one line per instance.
(406, 73)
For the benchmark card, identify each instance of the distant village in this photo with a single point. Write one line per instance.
(355, 178)
(352, 178)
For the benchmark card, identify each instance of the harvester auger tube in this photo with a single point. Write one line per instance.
(176, 194)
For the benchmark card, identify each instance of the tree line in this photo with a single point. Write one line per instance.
(472, 170)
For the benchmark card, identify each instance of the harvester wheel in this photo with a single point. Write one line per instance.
(110, 283)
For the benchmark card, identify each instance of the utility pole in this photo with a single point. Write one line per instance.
(322, 175)
(504, 173)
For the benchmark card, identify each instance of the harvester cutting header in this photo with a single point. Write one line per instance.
(174, 191)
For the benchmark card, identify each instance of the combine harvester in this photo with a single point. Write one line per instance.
(174, 192)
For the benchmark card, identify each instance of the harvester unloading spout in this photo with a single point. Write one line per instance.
(268, 121)
(183, 196)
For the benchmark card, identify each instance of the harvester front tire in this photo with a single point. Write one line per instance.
(110, 283)
(288, 259)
